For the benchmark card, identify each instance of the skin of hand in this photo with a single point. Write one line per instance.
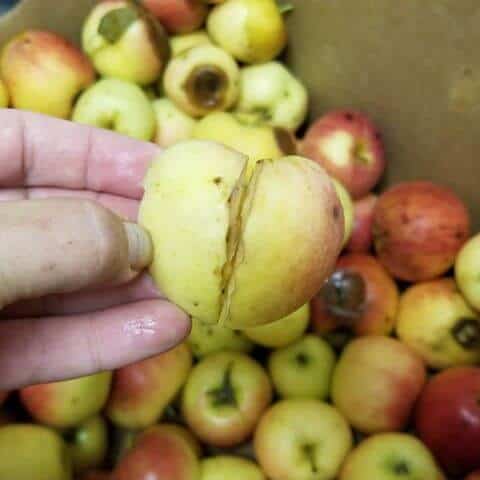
(73, 298)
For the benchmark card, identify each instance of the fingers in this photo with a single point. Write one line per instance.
(40, 151)
(36, 351)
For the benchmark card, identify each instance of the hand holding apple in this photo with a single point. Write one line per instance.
(222, 467)
(4, 96)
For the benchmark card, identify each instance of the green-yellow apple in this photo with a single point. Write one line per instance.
(274, 94)
(224, 397)
(302, 439)
(282, 332)
(124, 41)
(141, 391)
(207, 338)
(202, 79)
(376, 383)
(44, 72)
(348, 208)
(29, 451)
(117, 105)
(391, 456)
(253, 31)
(242, 132)
(67, 403)
(303, 369)
(467, 266)
(224, 467)
(4, 96)
(161, 452)
(173, 124)
(228, 249)
(435, 320)
(181, 43)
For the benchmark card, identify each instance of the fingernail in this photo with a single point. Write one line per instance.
(140, 248)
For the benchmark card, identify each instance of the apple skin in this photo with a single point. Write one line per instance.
(376, 395)
(160, 452)
(224, 397)
(347, 208)
(135, 52)
(4, 95)
(178, 16)
(434, 320)
(67, 403)
(44, 72)
(405, 457)
(183, 42)
(29, 451)
(361, 239)
(303, 369)
(418, 230)
(140, 392)
(348, 145)
(467, 266)
(447, 419)
(222, 467)
(302, 439)
(282, 332)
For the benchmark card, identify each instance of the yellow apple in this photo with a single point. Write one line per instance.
(4, 96)
(347, 207)
(224, 467)
(467, 266)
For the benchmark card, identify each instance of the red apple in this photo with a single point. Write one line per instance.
(448, 419)
(361, 238)
(418, 229)
(348, 145)
(178, 16)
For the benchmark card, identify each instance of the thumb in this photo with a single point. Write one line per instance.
(63, 245)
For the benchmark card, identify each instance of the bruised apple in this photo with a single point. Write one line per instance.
(361, 239)
(4, 96)
(228, 248)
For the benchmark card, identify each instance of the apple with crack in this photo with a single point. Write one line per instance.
(361, 239)
(222, 467)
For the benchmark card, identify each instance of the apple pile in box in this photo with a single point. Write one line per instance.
(335, 326)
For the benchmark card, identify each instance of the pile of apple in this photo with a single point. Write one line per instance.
(376, 377)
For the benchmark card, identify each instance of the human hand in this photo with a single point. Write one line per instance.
(75, 300)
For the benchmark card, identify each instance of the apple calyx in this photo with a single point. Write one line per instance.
(206, 86)
(309, 451)
(466, 332)
(400, 468)
(224, 395)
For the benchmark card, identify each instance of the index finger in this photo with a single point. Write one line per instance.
(41, 151)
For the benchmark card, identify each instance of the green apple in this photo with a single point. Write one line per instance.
(181, 43)
(390, 456)
(224, 467)
(224, 397)
(282, 332)
(274, 94)
(29, 451)
(229, 249)
(302, 439)
(467, 268)
(4, 96)
(202, 79)
(44, 73)
(207, 338)
(347, 206)
(67, 403)
(141, 391)
(125, 42)
(253, 31)
(117, 105)
(303, 369)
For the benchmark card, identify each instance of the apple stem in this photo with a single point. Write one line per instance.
(467, 333)
(225, 394)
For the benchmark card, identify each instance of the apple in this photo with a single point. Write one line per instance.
(141, 391)
(303, 369)
(222, 467)
(201, 80)
(435, 321)
(243, 133)
(44, 73)
(183, 42)
(178, 16)
(228, 248)
(207, 338)
(389, 456)
(224, 397)
(117, 105)
(467, 266)
(272, 93)
(4, 95)
(418, 230)
(361, 239)
(29, 451)
(360, 298)
(283, 332)
(253, 31)
(124, 41)
(347, 208)
(474, 476)
(376, 383)
(348, 145)
(161, 452)
(447, 419)
(302, 439)
(67, 403)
